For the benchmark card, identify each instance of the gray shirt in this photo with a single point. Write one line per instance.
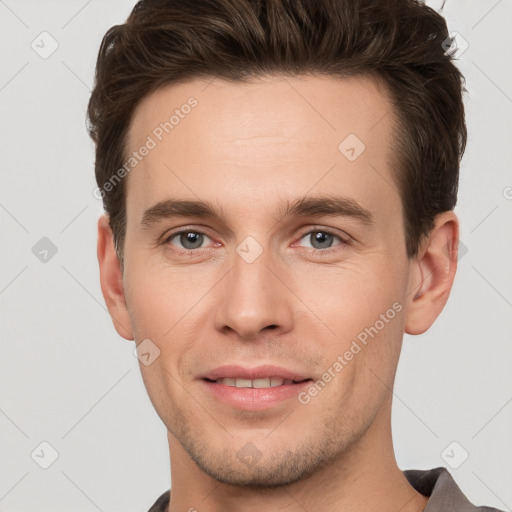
(437, 484)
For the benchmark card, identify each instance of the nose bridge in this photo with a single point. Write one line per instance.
(253, 297)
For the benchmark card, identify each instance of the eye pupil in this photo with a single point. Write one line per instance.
(191, 240)
(324, 239)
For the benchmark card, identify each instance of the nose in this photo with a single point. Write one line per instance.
(254, 296)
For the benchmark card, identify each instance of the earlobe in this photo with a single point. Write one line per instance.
(432, 275)
(111, 280)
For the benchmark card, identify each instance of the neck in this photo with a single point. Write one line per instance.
(364, 478)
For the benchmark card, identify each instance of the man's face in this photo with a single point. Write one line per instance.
(255, 286)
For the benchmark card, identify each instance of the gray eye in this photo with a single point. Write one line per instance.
(320, 239)
(189, 239)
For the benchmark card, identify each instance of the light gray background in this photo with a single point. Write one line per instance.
(68, 379)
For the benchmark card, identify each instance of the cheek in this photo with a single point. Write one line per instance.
(165, 307)
(158, 303)
(351, 298)
(159, 295)
(362, 323)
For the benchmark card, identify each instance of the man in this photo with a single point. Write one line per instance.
(279, 180)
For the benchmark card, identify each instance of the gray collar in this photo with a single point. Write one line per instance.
(444, 493)
(437, 484)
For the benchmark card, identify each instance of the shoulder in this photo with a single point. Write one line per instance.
(444, 493)
(161, 503)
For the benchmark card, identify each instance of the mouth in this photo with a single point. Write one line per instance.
(253, 389)
(262, 383)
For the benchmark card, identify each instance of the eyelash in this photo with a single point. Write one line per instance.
(318, 252)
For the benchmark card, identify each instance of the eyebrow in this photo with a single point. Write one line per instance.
(331, 206)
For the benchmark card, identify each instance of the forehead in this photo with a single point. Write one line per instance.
(210, 138)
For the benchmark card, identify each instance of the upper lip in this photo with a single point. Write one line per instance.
(258, 372)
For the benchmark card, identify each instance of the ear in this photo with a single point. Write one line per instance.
(432, 274)
(111, 279)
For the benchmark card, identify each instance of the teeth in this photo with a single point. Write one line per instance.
(269, 382)
(261, 383)
(243, 383)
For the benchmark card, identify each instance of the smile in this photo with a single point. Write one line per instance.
(268, 382)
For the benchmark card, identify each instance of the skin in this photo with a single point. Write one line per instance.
(249, 148)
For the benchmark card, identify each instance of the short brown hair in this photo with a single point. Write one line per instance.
(400, 42)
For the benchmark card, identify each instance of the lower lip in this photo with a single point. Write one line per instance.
(254, 399)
